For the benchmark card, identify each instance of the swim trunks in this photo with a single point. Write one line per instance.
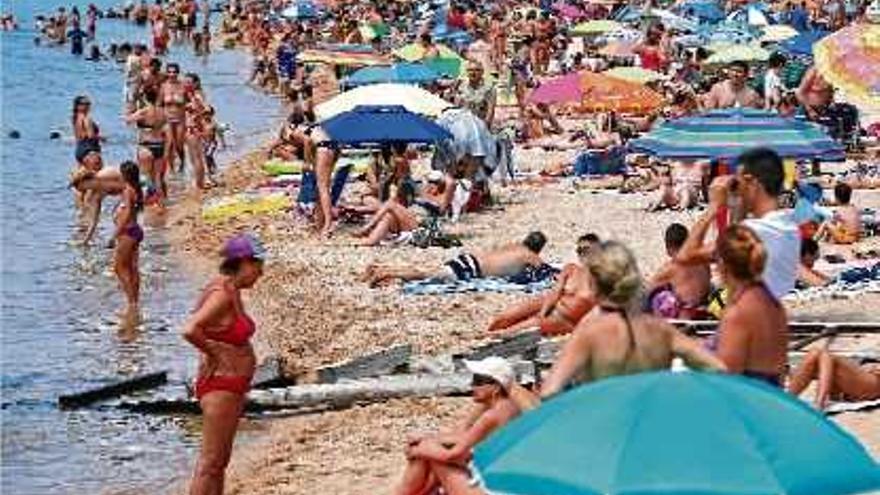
(465, 267)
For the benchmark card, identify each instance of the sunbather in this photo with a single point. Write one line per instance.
(506, 261)
(807, 274)
(839, 378)
(678, 290)
(558, 311)
(618, 339)
(441, 460)
(846, 225)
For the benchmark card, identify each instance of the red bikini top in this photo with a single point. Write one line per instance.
(241, 329)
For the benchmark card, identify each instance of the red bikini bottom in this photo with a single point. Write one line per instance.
(227, 383)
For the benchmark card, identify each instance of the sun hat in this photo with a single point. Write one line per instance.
(496, 368)
(435, 176)
(243, 246)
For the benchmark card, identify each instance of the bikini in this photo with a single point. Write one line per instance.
(156, 148)
(237, 333)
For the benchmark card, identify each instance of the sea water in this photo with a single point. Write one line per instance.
(59, 328)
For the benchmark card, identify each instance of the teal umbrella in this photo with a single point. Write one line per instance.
(674, 433)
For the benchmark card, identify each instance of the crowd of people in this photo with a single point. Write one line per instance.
(615, 317)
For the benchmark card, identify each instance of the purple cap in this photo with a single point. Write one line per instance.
(244, 246)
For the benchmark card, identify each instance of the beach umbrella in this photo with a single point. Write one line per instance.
(413, 98)
(369, 125)
(669, 19)
(301, 9)
(342, 57)
(738, 53)
(635, 74)
(447, 63)
(703, 10)
(595, 27)
(618, 49)
(752, 15)
(802, 44)
(778, 32)
(373, 30)
(404, 73)
(568, 11)
(728, 133)
(674, 433)
(850, 60)
(591, 92)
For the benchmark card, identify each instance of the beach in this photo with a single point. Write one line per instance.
(312, 311)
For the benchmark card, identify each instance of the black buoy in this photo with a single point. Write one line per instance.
(54, 134)
(13, 134)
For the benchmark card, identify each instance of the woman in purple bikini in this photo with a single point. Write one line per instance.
(128, 237)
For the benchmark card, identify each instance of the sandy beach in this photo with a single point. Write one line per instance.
(312, 310)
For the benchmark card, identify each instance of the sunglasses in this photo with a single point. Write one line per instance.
(481, 380)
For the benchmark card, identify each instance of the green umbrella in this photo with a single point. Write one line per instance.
(674, 433)
(595, 27)
(448, 63)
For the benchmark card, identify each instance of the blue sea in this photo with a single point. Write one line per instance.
(59, 330)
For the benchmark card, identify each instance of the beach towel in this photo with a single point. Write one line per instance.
(604, 162)
(250, 203)
(843, 407)
(530, 281)
(849, 283)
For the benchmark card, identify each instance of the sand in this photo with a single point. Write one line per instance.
(312, 310)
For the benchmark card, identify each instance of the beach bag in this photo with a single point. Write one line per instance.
(429, 234)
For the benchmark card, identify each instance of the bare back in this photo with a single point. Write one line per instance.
(621, 348)
(506, 261)
(753, 335)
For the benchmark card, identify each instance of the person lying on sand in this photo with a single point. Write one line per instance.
(441, 460)
(846, 225)
(839, 378)
(807, 274)
(558, 311)
(678, 290)
(505, 261)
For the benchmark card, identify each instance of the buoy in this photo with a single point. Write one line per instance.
(14, 135)
(54, 134)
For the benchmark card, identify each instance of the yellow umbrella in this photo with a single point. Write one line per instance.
(850, 60)
(738, 53)
(414, 52)
(594, 27)
(775, 33)
(635, 74)
(413, 98)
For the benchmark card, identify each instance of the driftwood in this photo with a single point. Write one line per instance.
(113, 390)
(384, 362)
(702, 327)
(521, 344)
(270, 374)
(346, 393)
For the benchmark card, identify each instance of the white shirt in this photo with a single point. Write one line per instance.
(782, 241)
(772, 87)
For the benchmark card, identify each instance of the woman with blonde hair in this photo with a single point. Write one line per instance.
(620, 339)
(753, 333)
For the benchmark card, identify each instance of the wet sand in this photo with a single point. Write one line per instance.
(312, 310)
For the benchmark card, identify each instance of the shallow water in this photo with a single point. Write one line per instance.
(59, 330)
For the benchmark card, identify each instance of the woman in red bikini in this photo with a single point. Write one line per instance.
(221, 331)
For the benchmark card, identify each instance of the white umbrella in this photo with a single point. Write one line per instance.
(413, 98)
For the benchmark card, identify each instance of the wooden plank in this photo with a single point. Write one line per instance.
(701, 326)
(269, 374)
(383, 362)
(363, 391)
(522, 344)
(113, 390)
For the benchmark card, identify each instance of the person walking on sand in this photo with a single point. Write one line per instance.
(618, 339)
(221, 330)
(127, 240)
(505, 261)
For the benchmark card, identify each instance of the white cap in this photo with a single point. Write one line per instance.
(435, 176)
(497, 368)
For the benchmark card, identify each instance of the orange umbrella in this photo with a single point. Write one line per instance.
(592, 92)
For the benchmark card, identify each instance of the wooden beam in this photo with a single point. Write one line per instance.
(113, 390)
(384, 362)
(521, 344)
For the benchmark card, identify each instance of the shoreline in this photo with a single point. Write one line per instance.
(312, 311)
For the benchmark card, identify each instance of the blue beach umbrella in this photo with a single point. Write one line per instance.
(403, 73)
(368, 125)
(728, 133)
(674, 433)
(702, 10)
(302, 9)
(802, 44)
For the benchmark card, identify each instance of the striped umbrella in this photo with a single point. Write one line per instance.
(591, 92)
(346, 58)
(728, 133)
(850, 60)
(638, 75)
(595, 27)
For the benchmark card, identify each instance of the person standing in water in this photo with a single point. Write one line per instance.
(127, 240)
(196, 109)
(172, 96)
(221, 331)
(152, 142)
(85, 130)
